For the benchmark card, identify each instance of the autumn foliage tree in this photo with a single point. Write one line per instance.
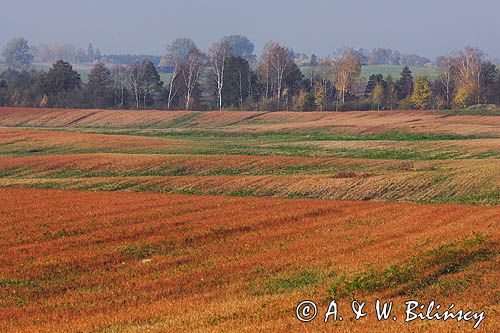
(378, 95)
(347, 70)
(275, 63)
(229, 76)
(469, 65)
(422, 93)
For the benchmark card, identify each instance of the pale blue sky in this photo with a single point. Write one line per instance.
(426, 27)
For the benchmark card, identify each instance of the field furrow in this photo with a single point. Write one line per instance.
(133, 221)
(136, 261)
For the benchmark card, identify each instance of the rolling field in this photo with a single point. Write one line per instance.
(425, 157)
(132, 221)
(122, 262)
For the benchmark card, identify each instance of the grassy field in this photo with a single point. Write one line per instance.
(395, 71)
(132, 221)
(385, 70)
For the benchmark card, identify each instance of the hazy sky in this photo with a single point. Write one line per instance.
(426, 27)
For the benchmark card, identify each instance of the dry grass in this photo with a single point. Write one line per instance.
(368, 121)
(455, 170)
(85, 261)
(72, 261)
(39, 141)
(467, 181)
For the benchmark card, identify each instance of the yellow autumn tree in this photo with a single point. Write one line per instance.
(304, 101)
(422, 93)
(378, 95)
(465, 95)
(44, 102)
(319, 99)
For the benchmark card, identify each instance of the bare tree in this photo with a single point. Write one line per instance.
(120, 81)
(135, 72)
(244, 77)
(218, 54)
(173, 87)
(323, 74)
(469, 67)
(177, 53)
(447, 69)
(278, 59)
(191, 70)
(347, 69)
(263, 68)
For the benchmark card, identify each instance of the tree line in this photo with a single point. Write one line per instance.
(230, 76)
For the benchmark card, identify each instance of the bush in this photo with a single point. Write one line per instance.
(406, 104)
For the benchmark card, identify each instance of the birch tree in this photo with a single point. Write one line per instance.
(218, 54)
(278, 59)
(469, 68)
(347, 69)
(177, 53)
(173, 87)
(190, 71)
(446, 71)
(322, 81)
(135, 71)
(120, 77)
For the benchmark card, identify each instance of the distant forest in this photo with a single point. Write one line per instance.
(69, 53)
(231, 76)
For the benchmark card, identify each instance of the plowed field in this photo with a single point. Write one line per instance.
(133, 221)
(372, 121)
(81, 261)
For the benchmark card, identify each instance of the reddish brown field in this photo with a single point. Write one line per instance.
(33, 141)
(73, 259)
(73, 160)
(326, 178)
(369, 121)
(113, 262)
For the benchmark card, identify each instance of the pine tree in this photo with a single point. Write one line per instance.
(100, 85)
(405, 83)
(60, 78)
(373, 80)
(150, 82)
(98, 55)
(391, 98)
